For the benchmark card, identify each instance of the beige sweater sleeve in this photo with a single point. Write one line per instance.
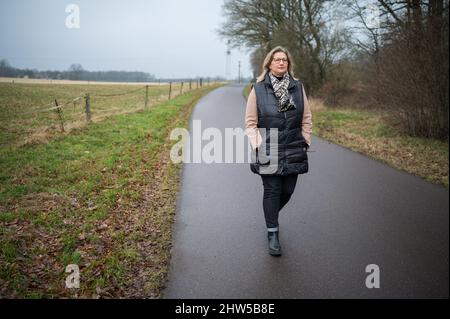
(307, 120)
(251, 120)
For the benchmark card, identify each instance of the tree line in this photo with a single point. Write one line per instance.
(389, 54)
(75, 72)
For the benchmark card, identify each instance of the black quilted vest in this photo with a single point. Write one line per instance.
(286, 155)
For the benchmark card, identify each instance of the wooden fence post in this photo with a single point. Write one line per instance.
(170, 89)
(190, 85)
(146, 96)
(58, 111)
(88, 107)
(181, 88)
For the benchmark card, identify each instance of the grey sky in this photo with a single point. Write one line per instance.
(168, 38)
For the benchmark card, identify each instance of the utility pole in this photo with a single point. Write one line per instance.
(239, 73)
(227, 63)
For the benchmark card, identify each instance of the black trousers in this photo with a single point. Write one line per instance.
(277, 192)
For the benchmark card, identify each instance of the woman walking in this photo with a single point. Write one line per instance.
(278, 101)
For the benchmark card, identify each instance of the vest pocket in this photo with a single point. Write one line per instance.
(264, 161)
(297, 155)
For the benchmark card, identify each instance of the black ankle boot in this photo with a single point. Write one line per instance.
(274, 243)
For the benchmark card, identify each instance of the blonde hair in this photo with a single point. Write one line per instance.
(268, 60)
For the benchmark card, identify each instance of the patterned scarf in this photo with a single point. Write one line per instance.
(285, 100)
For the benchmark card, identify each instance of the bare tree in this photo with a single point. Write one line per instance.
(75, 71)
(299, 25)
(414, 65)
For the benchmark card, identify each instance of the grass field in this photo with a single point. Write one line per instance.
(102, 197)
(22, 122)
(373, 133)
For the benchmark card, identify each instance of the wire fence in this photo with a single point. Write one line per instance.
(87, 97)
(91, 104)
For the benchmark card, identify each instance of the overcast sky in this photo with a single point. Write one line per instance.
(167, 38)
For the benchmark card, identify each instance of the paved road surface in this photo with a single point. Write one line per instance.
(348, 212)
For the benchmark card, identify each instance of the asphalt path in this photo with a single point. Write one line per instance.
(347, 212)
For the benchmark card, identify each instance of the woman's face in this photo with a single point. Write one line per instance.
(279, 64)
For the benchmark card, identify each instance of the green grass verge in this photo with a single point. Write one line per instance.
(102, 197)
